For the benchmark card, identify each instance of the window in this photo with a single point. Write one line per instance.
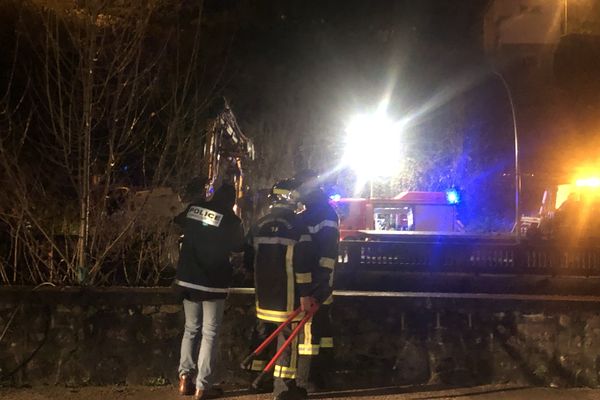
(394, 218)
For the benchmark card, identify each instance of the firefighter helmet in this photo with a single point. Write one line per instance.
(309, 184)
(284, 193)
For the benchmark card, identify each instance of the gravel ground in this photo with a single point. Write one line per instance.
(494, 392)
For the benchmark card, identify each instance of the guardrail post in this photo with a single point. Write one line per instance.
(402, 322)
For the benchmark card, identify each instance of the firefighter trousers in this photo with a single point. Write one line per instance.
(286, 368)
(315, 363)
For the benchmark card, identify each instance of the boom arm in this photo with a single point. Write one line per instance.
(225, 149)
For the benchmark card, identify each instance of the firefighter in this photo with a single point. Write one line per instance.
(212, 232)
(281, 253)
(323, 225)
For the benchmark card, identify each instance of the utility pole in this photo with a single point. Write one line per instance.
(566, 16)
(517, 168)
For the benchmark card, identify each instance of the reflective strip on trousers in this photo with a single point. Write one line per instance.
(258, 365)
(284, 372)
(308, 349)
(305, 277)
(327, 262)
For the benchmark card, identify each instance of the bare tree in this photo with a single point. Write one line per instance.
(98, 121)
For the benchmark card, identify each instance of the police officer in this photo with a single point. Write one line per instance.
(212, 232)
(323, 225)
(284, 270)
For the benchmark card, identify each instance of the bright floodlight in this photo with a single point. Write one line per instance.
(588, 182)
(373, 146)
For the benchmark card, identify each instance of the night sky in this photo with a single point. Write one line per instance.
(299, 70)
(296, 71)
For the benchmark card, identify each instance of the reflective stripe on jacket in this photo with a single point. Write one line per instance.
(323, 225)
(283, 261)
(211, 233)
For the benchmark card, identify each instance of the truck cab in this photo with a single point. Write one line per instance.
(570, 210)
(407, 212)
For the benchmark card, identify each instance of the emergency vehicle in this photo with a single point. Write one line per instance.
(408, 212)
(567, 210)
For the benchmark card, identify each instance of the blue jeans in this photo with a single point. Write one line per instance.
(202, 319)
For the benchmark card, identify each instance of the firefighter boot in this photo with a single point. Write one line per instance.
(293, 393)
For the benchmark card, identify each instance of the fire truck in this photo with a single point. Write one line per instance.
(408, 213)
(414, 243)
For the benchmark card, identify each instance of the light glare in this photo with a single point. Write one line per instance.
(373, 146)
(589, 182)
(452, 197)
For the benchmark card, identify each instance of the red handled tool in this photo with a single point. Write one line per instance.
(271, 337)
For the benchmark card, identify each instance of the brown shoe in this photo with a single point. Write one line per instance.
(186, 385)
(211, 393)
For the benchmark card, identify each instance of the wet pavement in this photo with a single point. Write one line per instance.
(489, 392)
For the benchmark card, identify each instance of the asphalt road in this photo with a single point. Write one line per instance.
(495, 392)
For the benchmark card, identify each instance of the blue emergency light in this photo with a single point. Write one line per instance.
(335, 197)
(452, 196)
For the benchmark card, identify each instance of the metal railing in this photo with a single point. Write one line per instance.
(470, 256)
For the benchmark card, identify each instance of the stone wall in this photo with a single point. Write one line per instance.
(131, 336)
